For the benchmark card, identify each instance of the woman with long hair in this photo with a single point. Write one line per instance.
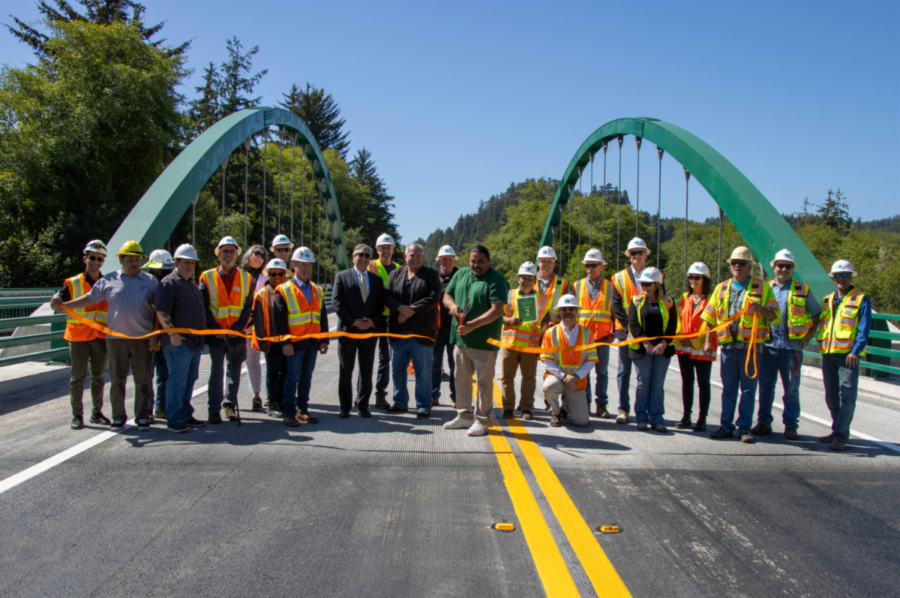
(252, 263)
(693, 361)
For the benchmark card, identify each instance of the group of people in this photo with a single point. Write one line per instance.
(411, 315)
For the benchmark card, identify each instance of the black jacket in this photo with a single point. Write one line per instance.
(651, 327)
(348, 304)
(424, 293)
(446, 318)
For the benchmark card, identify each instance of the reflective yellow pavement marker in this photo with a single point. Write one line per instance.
(596, 564)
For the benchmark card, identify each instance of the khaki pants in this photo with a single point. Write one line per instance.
(572, 401)
(82, 354)
(481, 363)
(122, 354)
(510, 362)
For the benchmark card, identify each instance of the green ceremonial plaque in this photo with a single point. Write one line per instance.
(527, 308)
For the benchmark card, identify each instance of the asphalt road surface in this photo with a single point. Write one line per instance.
(395, 506)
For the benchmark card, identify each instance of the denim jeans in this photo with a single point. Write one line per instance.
(402, 351)
(600, 369)
(162, 377)
(300, 368)
(649, 396)
(276, 376)
(623, 380)
(441, 343)
(184, 369)
(773, 362)
(234, 349)
(841, 385)
(734, 380)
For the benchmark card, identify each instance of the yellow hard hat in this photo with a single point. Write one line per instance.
(131, 248)
(741, 253)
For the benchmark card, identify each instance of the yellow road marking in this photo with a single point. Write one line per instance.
(596, 564)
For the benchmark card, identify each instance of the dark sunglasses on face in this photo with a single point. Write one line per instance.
(365, 255)
(841, 275)
(637, 253)
(96, 259)
(785, 266)
(590, 266)
(740, 263)
(259, 254)
(693, 278)
(277, 274)
(564, 310)
(282, 249)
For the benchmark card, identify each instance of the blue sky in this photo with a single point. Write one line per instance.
(457, 100)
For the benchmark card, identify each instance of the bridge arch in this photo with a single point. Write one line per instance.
(755, 218)
(154, 218)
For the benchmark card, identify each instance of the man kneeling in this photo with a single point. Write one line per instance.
(567, 370)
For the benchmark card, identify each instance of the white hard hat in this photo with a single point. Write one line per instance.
(303, 254)
(229, 240)
(567, 301)
(160, 259)
(637, 243)
(593, 255)
(783, 256)
(445, 251)
(186, 252)
(280, 240)
(651, 274)
(699, 268)
(97, 246)
(842, 266)
(385, 239)
(277, 264)
(546, 251)
(528, 269)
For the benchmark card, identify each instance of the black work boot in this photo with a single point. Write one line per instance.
(685, 422)
(77, 422)
(700, 426)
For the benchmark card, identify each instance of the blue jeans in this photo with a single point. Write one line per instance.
(300, 368)
(234, 349)
(441, 343)
(623, 380)
(162, 377)
(402, 351)
(841, 385)
(734, 379)
(600, 370)
(650, 397)
(771, 363)
(184, 369)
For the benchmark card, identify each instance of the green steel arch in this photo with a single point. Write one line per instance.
(755, 218)
(155, 216)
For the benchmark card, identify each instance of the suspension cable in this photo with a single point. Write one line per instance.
(591, 196)
(687, 181)
(619, 206)
(603, 202)
(637, 205)
(659, 151)
(224, 168)
(293, 163)
(194, 219)
(280, 180)
(319, 236)
(719, 266)
(569, 205)
(580, 205)
(247, 142)
(265, 176)
(303, 195)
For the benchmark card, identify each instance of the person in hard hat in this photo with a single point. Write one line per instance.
(594, 294)
(299, 310)
(358, 301)
(549, 284)
(281, 248)
(228, 296)
(694, 362)
(729, 297)
(566, 371)
(783, 352)
(130, 295)
(264, 327)
(412, 294)
(844, 326)
(446, 259)
(382, 266)
(87, 346)
(522, 330)
(475, 297)
(180, 304)
(159, 265)
(651, 315)
(252, 263)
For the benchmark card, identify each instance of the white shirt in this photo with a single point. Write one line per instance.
(571, 339)
(365, 278)
(637, 275)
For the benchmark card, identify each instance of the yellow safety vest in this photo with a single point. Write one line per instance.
(226, 307)
(838, 334)
(639, 304)
(799, 320)
(75, 331)
(376, 267)
(716, 311)
(554, 291)
(526, 334)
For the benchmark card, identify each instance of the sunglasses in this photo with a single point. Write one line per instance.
(96, 259)
(260, 254)
(841, 275)
(591, 266)
(637, 253)
(785, 266)
(365, 255)
(740, 263)
(278, 274)
(282, 250)
(563, 310)
(692, 278)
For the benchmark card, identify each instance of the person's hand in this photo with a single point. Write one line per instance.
(456, 312)
(406, 312)
(685, 343)
(571, 382)
(287, 350)
(361, 323)
(660, 348)
(707, 345)
(154, 342)
(176, 339)
(648, 346)
(608, 339)
(852, 360)
(752, 308)
(464, 329)
(56, 304)
(323, 348)
(516, 322)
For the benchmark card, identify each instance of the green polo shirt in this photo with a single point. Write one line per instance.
(482, 291)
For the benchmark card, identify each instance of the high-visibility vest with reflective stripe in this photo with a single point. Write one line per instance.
(75, 331)
(838, 334)
(716, 311)
(627, 291)
(639, 305)
(226, 307)
(568, 361)
(595, 315)
(376, 267)
(553, 292)
(690, 320)
(526, 334)
(261, 301)
(303, 316)
(799, 320)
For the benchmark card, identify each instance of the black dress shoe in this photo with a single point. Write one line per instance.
(396, 409)
(344, 414)
(365, 413)
(422, 414)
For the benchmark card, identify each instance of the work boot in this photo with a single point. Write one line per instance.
(230, 412)
(563, 414)
(214, 417)
(527, 416)
(381, 401)
(721, 434)
(700, 426)
(827, 439)
(791, 434)
(435, 402)
(159, 413)
(685, 422)
(508, 414)
(761, 430)
(275, 410)
(256, 405)
(77, 422)
(150, 419)
(554, 421)
(291, 421)
(748, 438)
(622, 418)
(643, 426)
(307, 418)
(97, 417)
(661, 428)
(837, 445)
(602, 412)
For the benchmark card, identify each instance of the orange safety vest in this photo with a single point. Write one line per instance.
(627, 291)
(303, 316)
(690, 320)
(568, 361)
(526, 334)
(716, 311)
(553, 292)
(595, 315)
(261, 301)
(226, 307)
(76, 332)
(838, 334)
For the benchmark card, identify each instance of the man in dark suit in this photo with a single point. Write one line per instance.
(412, 295)
(358, 301)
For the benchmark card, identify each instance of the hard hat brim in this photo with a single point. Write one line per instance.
(124, 253)
(159, 266)
(604, 262)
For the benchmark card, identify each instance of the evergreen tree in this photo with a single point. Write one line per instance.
(835, 213)
(204, 111)
(235, 79)
(362, 168)
(321, 114)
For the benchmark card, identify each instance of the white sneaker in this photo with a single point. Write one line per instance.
(459, 423)
(477, 429)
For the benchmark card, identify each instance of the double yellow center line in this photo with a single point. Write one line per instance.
(551, 567)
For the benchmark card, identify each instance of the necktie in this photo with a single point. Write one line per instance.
(362, 287)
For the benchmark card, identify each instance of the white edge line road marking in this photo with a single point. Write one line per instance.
(819, 420)
(51, 462)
